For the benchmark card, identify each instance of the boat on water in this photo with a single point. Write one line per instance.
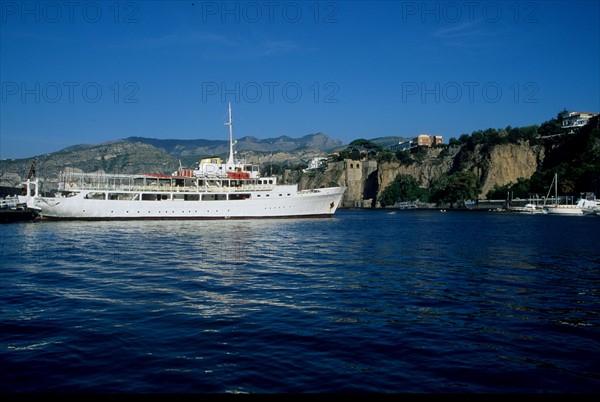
(13, 211)
(529, 208)
(583, 206)
(217, 189)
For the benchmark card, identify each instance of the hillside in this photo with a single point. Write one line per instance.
(140, 154)
(114, 157)
(190, 151)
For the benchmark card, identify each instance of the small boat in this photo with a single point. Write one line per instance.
(528, 208)
(589, 207)
(13, 211)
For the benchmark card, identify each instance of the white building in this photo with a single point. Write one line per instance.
(575, 119)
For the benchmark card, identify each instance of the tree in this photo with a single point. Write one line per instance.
(453, 142)
(361, 148)
(386, 156)
(520, 189)
(366, 145)
(550, 127)
(459, 186)
(404, 157)
(403, 188)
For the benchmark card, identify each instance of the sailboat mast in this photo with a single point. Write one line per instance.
(556, 188)
(230, 124)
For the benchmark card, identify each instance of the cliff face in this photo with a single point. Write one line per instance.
(509, 162)
(501, 165)
(434, 165)
(366, 180)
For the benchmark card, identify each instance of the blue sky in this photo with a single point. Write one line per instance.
(92, 71)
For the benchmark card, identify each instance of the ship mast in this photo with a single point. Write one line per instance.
(230, 161)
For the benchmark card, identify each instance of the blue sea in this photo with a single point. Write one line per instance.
(367, 301)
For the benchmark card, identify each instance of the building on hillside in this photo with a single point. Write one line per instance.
(422, 140)
(404, 145)
(575, 119)
(316, 163)
(429, 140)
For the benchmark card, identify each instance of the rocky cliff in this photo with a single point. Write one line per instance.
(509, 162)
(366, 180)
(435, 164)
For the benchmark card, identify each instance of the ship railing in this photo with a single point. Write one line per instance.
(166, 188)
(8, 203)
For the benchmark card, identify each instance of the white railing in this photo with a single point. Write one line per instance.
(72, 181)
(9, 203)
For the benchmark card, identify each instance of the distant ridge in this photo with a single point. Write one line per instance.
(283, 143)
(189, 151)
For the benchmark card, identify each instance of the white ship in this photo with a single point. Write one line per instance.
(215, 190)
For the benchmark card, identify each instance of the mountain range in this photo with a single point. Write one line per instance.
(191, 150)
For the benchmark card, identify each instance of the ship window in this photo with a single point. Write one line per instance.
(214, 197)
(154, 197)
(192, 197)
(95, 196)
(239, 196)
(123, 196)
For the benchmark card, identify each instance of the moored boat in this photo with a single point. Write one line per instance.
(12, 211)
(583, 206)
(528, 208)
(217, 189)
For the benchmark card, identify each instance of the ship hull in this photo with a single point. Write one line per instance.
(563, 210)
(276, 204)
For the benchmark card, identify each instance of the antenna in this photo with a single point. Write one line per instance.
(230, 124)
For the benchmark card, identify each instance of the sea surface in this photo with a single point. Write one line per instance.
(367, 301)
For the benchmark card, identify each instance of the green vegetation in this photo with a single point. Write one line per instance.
(521, 189)
(574, 157)
(360, 149)
(403, 188)
(459, 186)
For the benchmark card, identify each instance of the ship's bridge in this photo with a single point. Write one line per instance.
(216, 167)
